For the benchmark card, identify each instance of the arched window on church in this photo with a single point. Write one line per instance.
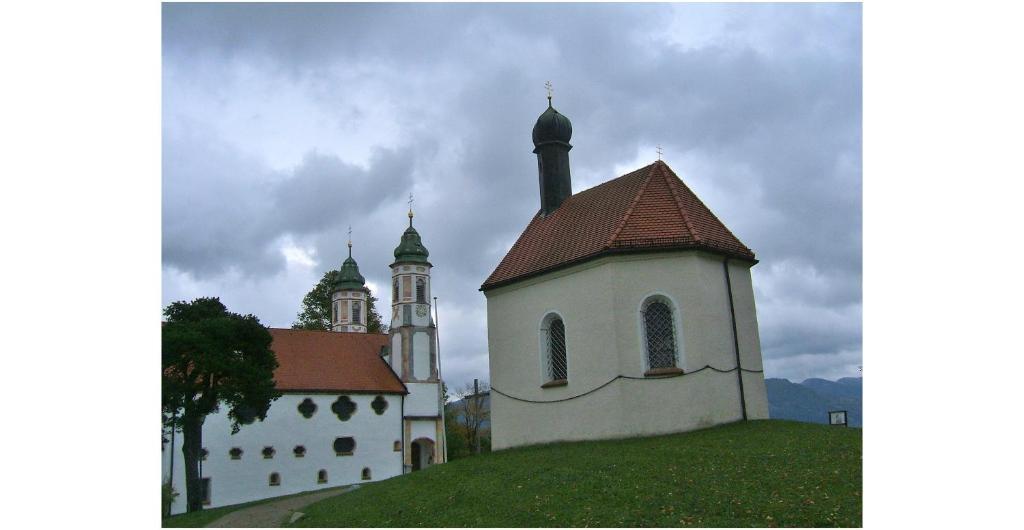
(659, 334)
(555, 361)
(335, 319)
(421, 291)
(275, 479)
(321, 476)
(357, 312)
(394, 292)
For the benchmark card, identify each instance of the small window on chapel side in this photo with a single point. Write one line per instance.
(660, 344)
(357, 312)
(366, 473)
(275, 479)
(321, 476)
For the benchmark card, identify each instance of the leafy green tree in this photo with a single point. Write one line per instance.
(316, 308)
(212, 358)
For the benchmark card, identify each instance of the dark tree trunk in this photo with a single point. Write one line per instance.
(192, 431)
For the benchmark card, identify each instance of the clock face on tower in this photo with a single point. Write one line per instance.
(421, 310)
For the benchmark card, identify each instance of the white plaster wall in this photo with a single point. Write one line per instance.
(421, 355)
(600, 303)
(396, 353)
(422, 399)
(247, 479)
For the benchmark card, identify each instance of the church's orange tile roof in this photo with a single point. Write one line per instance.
(328, 361)
(648, 209)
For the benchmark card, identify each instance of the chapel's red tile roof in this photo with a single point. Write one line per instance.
(332, 362)
(648, 209)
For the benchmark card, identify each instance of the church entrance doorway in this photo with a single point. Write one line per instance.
(422, 453)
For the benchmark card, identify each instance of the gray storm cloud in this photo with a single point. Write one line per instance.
(284, 124)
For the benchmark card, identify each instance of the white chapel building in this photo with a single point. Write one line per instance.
(623, 310)
(355, 406)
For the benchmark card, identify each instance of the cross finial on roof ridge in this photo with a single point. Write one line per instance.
(350, 241)
(659, 151)
(410, 209)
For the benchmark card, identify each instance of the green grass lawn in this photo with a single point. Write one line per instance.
(759, 473)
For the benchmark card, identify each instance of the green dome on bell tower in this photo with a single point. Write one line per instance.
(411, 249)
(348, 277)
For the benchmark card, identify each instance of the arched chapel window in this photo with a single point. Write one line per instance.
(275, 479)
(357, 312)
(321, 476)
(555, 363)
(335, 320)
(659, 334)
(421, 291)
(394, 292)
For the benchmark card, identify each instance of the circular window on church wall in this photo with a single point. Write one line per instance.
(379, 405)
(344, 446)
(307, 408)
(344, 408)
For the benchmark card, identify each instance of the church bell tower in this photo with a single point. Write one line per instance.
(551, 135)
(348, 299)
(413, 354)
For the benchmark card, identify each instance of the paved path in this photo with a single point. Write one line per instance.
(274, 513)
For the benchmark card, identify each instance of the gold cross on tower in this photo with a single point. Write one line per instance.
(410, 209)
(547, 85)
(350, 241)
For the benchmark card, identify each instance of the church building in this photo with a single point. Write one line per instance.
(355, 406)
(623, 310)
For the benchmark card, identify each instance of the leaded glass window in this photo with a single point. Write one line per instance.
(357, 312)
(659, 333)
(556, 351)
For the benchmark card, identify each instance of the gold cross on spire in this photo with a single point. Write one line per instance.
(350, 241)
(410, 209)
(659, 151)
(547, 85)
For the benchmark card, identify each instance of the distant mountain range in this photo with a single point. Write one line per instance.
(809, 401)
(812, 399)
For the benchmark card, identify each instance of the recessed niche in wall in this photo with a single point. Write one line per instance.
(275, 479)
(300, 451)
(236, 453)
(344, 446)
(268, 452)
(398, 445)
(344, 408)
(379, 405)
(321, 476)
(307, 408)
(366, 473)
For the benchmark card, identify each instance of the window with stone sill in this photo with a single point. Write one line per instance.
(659, 335)
(299, 451)
(366, 473)
(398, 445)
(268, 452)
(236, 453)
(344, 446)
(275, 479)
(556, 369)
(321, 476)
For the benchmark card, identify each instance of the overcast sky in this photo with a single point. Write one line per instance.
(285, 124)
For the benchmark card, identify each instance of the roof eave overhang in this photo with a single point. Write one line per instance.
(615, 251)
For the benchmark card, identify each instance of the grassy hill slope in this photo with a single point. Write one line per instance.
(761, 473)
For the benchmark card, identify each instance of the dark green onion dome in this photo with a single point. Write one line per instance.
(551, 126)
(411, 249)
(349, 277)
